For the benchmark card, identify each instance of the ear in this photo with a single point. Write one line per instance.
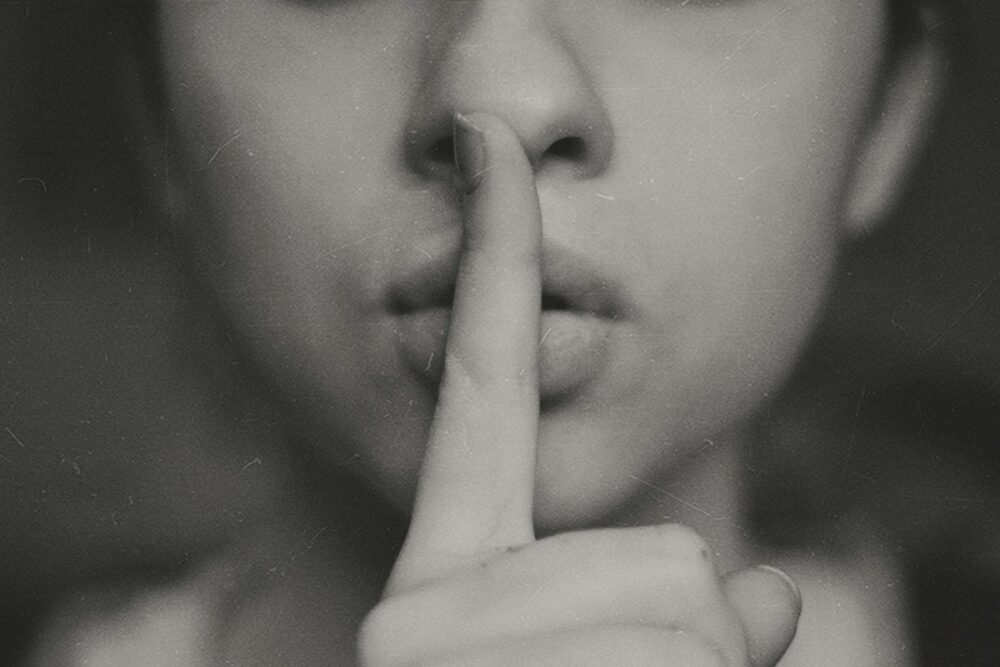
(896, 131)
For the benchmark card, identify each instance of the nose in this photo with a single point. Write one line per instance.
(508, 58)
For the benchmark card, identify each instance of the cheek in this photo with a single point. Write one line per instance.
(728, 172)
(727, 187)
(286, 212)
(281, 173)
(743, 158)
(287, 150)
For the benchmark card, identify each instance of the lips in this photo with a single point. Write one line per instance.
(581, 307)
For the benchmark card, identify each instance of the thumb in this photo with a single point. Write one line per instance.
(768, 604)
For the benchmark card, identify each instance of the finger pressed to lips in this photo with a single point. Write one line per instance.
(584, 310)
(470, 573)
(476, 486)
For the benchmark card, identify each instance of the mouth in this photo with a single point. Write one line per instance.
(581, 307)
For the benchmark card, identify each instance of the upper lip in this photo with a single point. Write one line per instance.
(570, 282)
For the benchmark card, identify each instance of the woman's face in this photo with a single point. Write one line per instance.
(691, 162)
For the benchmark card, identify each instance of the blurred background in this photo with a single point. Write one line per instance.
(128, 435)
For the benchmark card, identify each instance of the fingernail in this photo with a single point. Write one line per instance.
(787, 579)
(470, 152)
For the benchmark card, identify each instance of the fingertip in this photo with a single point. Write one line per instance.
(504, 144)
(476, 487)
(768, 603)
(470, 152)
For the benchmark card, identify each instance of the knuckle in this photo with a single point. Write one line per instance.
(682, 563)
(681, 552)
(684, 542)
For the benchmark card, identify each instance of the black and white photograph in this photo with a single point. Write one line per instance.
(499, 333)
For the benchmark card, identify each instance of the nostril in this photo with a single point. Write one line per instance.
(442, 152)
(571, 149)
(554, 302)
(435, 158)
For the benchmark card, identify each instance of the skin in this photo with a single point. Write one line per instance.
(699, 156)
(712, 199)
(471, 576)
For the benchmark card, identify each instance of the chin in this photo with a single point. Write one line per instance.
(578, 499)
(582, 482)
(559, 508)
(579, 483)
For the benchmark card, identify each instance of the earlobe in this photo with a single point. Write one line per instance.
(895, 134)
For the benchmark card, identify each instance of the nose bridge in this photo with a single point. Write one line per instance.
(508, 57)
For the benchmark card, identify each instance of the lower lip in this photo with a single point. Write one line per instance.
(573, 348)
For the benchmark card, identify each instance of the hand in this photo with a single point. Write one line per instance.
(472, 586)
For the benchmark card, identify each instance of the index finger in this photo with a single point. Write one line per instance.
(474, 495)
